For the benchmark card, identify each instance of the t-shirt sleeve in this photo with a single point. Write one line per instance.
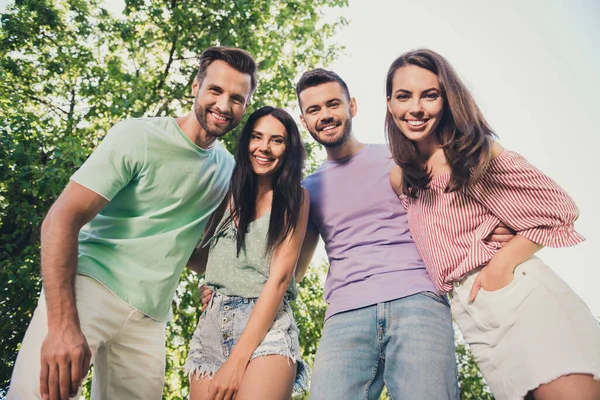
(527, 201)
(116, 161)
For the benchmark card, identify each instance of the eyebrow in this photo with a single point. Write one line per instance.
(327, 103)
(424, 91)
(235, 95)
(272, 136)
(239, 97)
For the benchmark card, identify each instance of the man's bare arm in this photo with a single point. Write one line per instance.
(306, 253)
(65, 352)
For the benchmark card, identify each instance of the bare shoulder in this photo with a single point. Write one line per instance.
(396, 179)
(497, 149)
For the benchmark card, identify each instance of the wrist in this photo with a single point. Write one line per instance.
(65, 320)
(499, 264)
(240, 357)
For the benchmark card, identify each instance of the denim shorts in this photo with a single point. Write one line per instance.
(220, 327)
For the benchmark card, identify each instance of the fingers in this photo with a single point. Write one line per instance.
(80, 364)
(474, 289)
(206, 295)
(44, 375)
(211, 392)
(87, 359)
(204, 290)
(64, 379)
(502, 239)
(53, 388)
(76, 371)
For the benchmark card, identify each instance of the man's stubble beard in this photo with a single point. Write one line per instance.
(202, 114)
(340, 141)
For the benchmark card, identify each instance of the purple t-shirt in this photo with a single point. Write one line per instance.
(372, 257)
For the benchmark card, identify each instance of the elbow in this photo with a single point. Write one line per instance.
(281, 282)
(49, 221)
(61, 220)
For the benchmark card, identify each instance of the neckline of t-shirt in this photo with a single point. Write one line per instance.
(351, 156)
(189, 141)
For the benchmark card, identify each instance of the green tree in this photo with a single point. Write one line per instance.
(471, 384)
(70, 70)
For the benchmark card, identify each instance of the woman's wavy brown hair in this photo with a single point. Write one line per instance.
(462, 132)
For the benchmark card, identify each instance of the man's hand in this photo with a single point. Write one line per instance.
(502, 234)
(205, 294)
(492, 277)
(65, 358)
(227, 380)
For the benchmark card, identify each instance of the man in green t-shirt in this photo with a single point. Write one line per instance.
(117, 239)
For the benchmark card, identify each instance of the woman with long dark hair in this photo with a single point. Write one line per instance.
(246, 343)
(531, 335)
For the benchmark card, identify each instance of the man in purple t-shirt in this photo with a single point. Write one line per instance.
(385, 324)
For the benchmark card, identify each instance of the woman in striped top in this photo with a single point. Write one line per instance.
(531, 335)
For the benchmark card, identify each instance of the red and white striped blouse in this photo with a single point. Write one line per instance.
(449, 228)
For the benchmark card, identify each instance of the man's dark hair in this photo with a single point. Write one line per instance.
(238, 59)
(316, 77)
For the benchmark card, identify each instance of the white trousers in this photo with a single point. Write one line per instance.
(128, 347)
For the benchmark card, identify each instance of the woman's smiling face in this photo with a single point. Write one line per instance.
(416, 102)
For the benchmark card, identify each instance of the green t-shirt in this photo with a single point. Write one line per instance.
(162, 189)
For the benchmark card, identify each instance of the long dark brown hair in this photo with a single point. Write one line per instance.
(463, 132)
(287, 192)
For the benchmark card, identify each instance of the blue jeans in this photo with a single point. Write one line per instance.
(405, 344)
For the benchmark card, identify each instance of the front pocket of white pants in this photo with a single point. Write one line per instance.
(499, 308)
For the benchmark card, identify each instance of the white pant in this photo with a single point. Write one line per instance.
(530, 332)
(128, 348)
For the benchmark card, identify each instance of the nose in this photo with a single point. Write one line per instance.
(326, 115)
(263, 146)
(222, 104)
(415, 106)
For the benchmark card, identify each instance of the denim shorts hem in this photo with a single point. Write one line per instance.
(200, 369)
(302, 380)
(220, 327)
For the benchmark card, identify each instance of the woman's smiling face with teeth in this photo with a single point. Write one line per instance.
(416, 103)
(267, 145)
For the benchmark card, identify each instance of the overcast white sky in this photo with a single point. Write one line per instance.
(533, 67)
